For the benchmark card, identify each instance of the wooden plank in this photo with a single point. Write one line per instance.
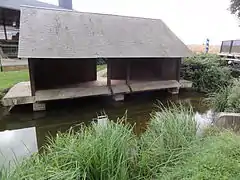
(31, 75)
(79, 90)
(139, 86)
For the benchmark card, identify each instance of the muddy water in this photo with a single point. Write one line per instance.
(23, 132)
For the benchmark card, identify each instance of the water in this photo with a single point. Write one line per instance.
(23, 132)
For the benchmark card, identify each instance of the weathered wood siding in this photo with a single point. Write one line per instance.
(48, 33)
(53, 73)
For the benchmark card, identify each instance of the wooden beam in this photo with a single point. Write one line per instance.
(4, 24)
(128, 71)
(178, 67)
(109, 72)
(31, 75)
(230, 49)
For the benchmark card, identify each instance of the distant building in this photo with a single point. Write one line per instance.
(9, 24)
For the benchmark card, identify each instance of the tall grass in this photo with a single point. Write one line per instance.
(95, 152)
(227, 99)
(168, 149)
(163, 145)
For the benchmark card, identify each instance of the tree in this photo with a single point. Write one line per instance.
(235, 7)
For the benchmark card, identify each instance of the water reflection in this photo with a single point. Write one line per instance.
(24, 132)
(17, 144)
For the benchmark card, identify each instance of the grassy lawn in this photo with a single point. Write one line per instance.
(8, 79)
(101, 67)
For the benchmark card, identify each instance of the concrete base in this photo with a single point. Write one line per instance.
(118, 97)
(173, 91)
(186, 84)
(228, 121)
(39, 106)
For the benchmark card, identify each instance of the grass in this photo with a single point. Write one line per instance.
(8, 79)
(170, 132)
(94, 152)
(101, 67)
(168, 149)
(227, 99)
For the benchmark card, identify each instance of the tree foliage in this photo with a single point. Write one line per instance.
(235, 7)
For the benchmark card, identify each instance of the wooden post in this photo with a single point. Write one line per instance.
(128, 75)
(32, 78)
(128, 71)
(4, 24)
(109, 70)
(178, 67)
(230, 49)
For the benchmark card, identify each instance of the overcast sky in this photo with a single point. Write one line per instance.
(192, 20)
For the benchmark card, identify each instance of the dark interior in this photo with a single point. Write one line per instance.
(145, 68)
(54, 73)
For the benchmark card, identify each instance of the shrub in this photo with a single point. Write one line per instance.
(206, 72)
(227, 99)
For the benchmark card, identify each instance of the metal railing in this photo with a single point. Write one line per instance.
(230, 47)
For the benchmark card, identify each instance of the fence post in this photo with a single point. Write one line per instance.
(207, 45)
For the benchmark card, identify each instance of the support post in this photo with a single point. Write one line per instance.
(118, 97)
(230, 49)
(31, 75)
(174, 91)
(128, 75)
(109, 69)
(128, 71)
(109, 72)
(178, 66)
(39, 106)
(4, 24)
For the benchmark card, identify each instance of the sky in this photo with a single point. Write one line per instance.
(193, 21)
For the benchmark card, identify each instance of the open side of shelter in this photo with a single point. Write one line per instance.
(144, 56)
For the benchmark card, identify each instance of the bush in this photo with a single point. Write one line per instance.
(163, 145)
(227, 99)
(206, 72)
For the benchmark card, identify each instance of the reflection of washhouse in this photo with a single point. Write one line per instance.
(63, 46)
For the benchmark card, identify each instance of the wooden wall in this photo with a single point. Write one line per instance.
(53, 73)
(146, 68)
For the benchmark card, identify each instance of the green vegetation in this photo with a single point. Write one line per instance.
(163, 145)
(207, 72)
(101, 67)
(227, 99)
(168, 149)
(94, 152)
(8, 79)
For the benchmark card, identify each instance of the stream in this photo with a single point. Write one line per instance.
(23, 132)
